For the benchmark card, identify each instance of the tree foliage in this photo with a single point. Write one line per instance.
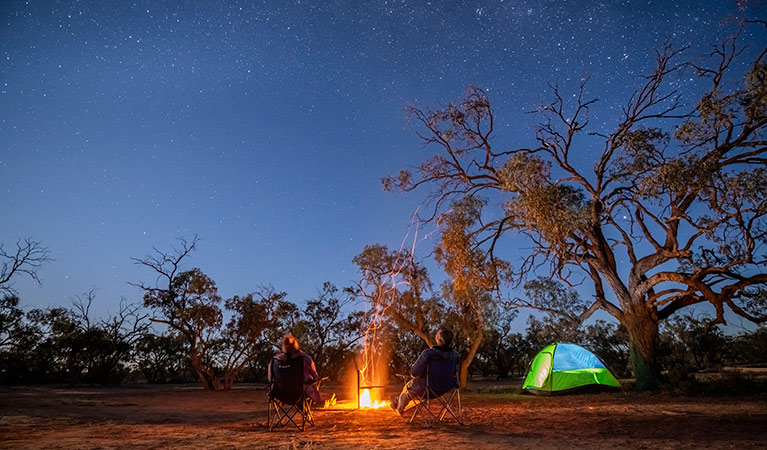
(188, 302)
(669, 213)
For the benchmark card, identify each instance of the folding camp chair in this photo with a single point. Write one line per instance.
(444, 390)
(288, 402)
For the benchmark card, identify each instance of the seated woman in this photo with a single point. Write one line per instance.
(290, 351)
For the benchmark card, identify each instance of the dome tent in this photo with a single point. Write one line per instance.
(563, 367)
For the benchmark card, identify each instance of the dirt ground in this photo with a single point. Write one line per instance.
(188, 417)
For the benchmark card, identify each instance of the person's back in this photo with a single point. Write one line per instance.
(291, 355)
(441, 363)
(286, 373)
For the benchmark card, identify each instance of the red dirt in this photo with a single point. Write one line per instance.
(188, 417)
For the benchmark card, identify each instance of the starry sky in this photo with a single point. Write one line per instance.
(265, 127)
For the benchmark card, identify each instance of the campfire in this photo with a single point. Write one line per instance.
(363, 394)
(366, 399)
(371, 367)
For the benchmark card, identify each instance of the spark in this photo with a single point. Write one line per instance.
(385, 299)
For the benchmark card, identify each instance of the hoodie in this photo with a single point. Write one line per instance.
(444, 362)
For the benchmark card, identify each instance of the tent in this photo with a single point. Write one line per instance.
(563, 367)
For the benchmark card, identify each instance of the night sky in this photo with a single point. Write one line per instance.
(265, 127)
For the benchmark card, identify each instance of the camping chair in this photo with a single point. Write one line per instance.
(288, 402)
(443, 389)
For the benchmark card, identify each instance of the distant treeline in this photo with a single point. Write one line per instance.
(66, 345)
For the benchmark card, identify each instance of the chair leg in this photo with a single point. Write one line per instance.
(283, 417)
(415, 410)
(420, 405)
(423, 407)
(447, 407)
(460, 407)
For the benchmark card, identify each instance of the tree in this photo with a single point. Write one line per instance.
(562, 308)
(329, 334)
(18, 340)
(105, 345)
(163, 358)
(55, 356)
(396, 286)
(746, 348)
(692, 342)
(11, 320)
(27, 258)
(188, 302)
(252, 317)
(610, 343)
(474, 276)
(670, 214)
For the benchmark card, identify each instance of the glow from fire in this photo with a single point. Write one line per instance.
(382, 300)
(366, 402)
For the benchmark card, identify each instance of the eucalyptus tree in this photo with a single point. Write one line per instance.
(473, 277)
(669, 213)
(252, 317)
(188, 302)
(397, 287)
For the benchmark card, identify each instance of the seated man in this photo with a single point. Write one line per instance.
(290, 351)
(417, 384)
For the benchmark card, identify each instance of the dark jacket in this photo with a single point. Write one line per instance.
(443, 363)
(310, 372)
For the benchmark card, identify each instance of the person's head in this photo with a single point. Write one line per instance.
(444, 337)
(289, 344)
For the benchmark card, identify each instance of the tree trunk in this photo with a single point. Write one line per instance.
(207, 378)
(229, 377)
(642, 329)
(463, 376)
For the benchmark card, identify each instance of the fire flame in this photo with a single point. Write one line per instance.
(366, 402)
(331, 401)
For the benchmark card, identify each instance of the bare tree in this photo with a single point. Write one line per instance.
(27, 258)
(663, 219)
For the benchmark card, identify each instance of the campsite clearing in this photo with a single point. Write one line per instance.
(188, 417)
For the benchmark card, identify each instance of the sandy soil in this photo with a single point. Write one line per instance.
(188, 417)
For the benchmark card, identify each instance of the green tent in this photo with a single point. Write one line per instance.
(561, 367)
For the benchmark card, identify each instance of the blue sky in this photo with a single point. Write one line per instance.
(265, 127)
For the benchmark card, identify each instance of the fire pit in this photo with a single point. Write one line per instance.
(363, 395)
(365, 399)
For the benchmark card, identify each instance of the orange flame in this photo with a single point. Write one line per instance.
(331, 401)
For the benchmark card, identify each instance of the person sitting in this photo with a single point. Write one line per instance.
(290, 351)
(417, 384)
